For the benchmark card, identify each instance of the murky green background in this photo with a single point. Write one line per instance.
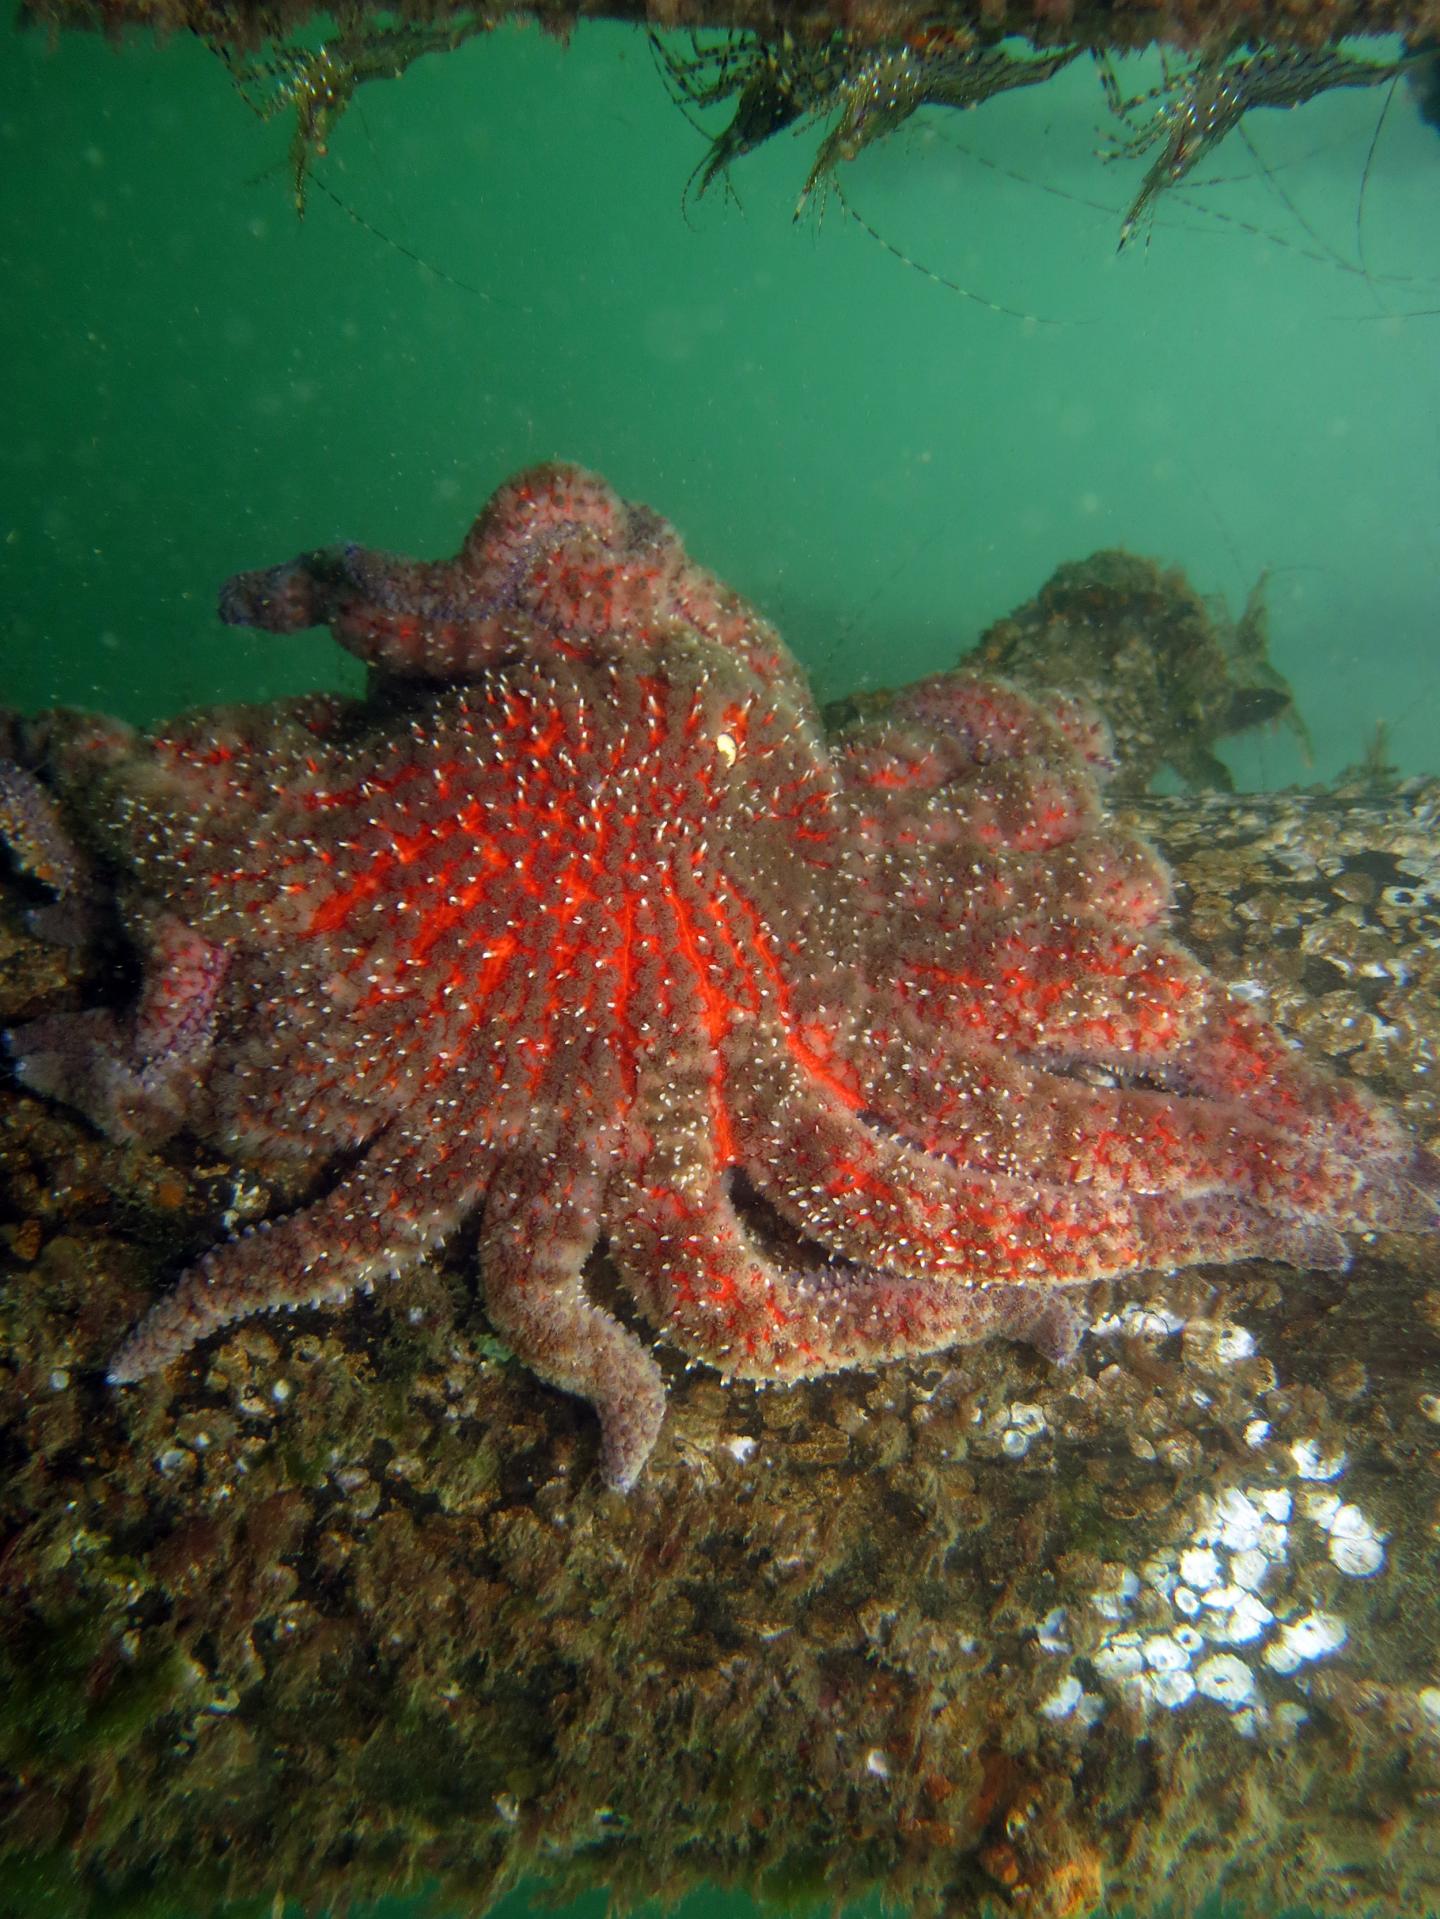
(195, 382)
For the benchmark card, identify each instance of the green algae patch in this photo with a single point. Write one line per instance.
(60, 1700)
(47, 1887)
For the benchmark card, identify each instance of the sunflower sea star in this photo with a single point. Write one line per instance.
(577, 924)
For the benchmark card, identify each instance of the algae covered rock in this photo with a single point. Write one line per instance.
(341, 1606)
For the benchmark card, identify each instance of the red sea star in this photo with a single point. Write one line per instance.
(577, 924)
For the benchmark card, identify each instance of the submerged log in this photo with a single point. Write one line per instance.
(343, 1608)
(1092, 23)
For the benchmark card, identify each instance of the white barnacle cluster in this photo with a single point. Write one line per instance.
(1354, 1544)
(1138, 1319)
(1020, 1424)
(1211, 1345)
(1313, 1635)
(1070, 1700)
(1221, 1617)
(1313, 1462)
(1010, 1429)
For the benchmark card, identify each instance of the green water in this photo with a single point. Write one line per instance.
(196, 382)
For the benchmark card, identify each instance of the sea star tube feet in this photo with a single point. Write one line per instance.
(578, 926)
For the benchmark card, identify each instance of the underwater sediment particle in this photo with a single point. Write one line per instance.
(578, 928)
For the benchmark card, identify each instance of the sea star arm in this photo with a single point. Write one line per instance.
(859, 1188)
(1393, 1182)
(955, 730)
(989, 1111)
(132, 1079)
(397, 1202)
(547, 547)
(540, 1227)
(1070, 989)
(41, 844)
(1082, 997)
(1133, 1072)
(30, 825)
(1062, 1235)
(984, 802)
(774, 1312)
(747, 1290)
(418, 618)
(923, 796)
(557, 562)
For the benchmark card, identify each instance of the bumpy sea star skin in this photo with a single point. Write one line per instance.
(578, 925)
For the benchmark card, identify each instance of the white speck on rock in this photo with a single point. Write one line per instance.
(1050, 1634)
(1121, 1658)
(1225, 1679)
(1357, 1558)
(1063, 1701)
(1164, 1653)
(1172, 1689)
(1200, 1566)
(1311, 1462)
(1315, 1636)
